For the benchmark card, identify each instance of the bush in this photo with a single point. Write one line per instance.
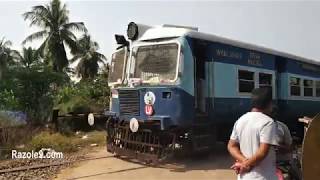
(8, 100)
(83, 97)
(31, 91)
(12, 137)
(63, 143)
(54, 141)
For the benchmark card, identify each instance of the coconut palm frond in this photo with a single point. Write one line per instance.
(57, 31)
(88, 57)
(41, 50)
(75, 58)
(15, 55)
(78, 26)
(35, 36)
(29, 58)
(70, 41)
(5, 43)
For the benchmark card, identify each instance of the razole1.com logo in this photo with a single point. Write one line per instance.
(44, 153)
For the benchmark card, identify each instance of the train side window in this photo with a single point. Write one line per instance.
(308, 87)
(265, 80)
(295, 87)
(317, 88)
(246, 81)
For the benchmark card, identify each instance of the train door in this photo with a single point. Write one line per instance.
(203, 133)
(200, 83)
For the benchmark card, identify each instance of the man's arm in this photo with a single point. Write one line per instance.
(234, 150)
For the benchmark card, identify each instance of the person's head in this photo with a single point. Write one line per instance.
(262, 99)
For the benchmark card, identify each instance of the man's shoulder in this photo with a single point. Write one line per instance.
(265, 117)
(256, 117)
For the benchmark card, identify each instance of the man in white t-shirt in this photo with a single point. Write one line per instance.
(252, 140)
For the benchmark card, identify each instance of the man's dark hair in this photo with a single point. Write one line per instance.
(261, 97)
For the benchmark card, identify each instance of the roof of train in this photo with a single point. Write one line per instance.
(165, 32)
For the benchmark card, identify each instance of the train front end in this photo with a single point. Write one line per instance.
(151, 106)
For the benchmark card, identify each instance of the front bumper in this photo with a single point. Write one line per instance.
(148, 144)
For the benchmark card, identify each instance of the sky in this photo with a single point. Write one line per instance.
(292, 27)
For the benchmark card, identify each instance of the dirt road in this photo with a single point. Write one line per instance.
(216, 166)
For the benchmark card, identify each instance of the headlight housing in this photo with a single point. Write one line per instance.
(132, 31)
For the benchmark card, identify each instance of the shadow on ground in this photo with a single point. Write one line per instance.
(219, 158)
(195, 166)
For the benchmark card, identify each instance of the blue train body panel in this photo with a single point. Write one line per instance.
(304, 69)
(223, 102)
(229, 104)
(176, 110)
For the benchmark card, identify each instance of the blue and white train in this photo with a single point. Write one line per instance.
(174, 88)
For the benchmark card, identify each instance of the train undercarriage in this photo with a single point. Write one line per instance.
(152, 145)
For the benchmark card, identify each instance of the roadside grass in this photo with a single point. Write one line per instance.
(66, 144)
(14, 138)
(94, 137)
(28, 139)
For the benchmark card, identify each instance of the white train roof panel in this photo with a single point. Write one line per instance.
(167, 32)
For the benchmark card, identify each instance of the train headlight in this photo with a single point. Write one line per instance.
(134, 125)
(114, 93)
(149, 98)
(132, 31)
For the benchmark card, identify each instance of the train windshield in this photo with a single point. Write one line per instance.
(155, 63)
(117, 66)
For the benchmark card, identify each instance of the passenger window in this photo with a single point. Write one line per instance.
(265, 80)
(295, 87)
(318, 89)
(308, 87)
(246, 81)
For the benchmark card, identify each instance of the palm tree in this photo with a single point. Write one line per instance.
(29, 58)
(3, 62)
(56, 31)
(88, 57)
(7, 55)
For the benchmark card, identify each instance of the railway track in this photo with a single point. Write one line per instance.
(39, 166)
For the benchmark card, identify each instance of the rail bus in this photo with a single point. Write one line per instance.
(174, 89)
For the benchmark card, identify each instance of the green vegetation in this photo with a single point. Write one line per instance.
(6, 55)
(64, 143)
(85, 96)
(88, 58)
(35, 139)
(55, 141)
(29, 59)
(56, 30)
(35, 81)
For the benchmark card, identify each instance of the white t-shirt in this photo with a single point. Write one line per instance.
(249, 131)
(283, 139)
